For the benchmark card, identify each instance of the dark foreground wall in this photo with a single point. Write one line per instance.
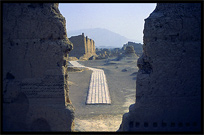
(168, 86)
(35, 55)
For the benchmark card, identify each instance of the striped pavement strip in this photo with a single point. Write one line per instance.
(75, 64)
(98, 88)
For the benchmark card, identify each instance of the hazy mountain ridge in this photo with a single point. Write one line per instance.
(102, 37)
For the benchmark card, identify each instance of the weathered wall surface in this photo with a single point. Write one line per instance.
(168, 86)
(83, 47)
(35, 55)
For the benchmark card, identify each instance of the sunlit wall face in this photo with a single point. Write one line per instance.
(126, 19)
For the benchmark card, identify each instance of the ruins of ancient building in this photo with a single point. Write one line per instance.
(83, 47)
(35, 76)
(128, 54)
(129, 50)
(137, 47)
(168, 86)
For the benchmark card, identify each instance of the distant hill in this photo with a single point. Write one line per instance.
(103, 38)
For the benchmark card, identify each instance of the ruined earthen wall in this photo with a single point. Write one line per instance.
(93, 51)
(92, 46)
(79, 48)
(35, 77)
(88, 44)
(83, 47)
(168, 86)
(137, 47)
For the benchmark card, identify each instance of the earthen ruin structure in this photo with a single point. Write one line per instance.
(128, 54)
(129, 50)
(137, 47)
(83, 47)
(168, 86)
(35, 77)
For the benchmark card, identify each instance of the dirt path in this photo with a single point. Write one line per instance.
(98, 123)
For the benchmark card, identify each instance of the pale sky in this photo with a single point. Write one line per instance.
(126, 19)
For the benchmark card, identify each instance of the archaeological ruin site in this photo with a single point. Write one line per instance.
(83, 48)
(43, 90)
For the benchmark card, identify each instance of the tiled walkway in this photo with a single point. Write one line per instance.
(98, 89)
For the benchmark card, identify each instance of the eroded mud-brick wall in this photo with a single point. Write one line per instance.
(82, 47)
(35, 55)
(168, 86)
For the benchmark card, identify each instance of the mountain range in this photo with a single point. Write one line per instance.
(103, 38)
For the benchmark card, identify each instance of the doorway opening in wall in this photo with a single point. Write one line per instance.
(107, 42)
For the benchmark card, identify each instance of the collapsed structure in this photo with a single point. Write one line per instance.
(168, 86)
(83, 48)
(35, 76)
(137, 47)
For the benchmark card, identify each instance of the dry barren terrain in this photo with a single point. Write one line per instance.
(121, 79)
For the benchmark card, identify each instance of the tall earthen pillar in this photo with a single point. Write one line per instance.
(168, 86)
(35, 76)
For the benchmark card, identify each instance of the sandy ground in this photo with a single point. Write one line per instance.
(121, 79)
